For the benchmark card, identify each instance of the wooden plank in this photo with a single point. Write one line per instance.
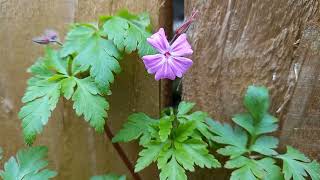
(301, 121)
(75, 150)
(239, 43)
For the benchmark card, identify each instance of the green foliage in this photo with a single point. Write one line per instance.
(94, 52)
(235, 139)
(297, 166)
(50, 80)
(129, 32)
(42, 93)
(108, 177)
(29, 164)
(82, 70)
(176, 145)
(139, 125)
(252, 153)
(248, 168)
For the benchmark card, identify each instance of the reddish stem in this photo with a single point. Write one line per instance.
(122, 154)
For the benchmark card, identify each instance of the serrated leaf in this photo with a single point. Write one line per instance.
(29, 164)
(89, 103)
(199, 117)
(76, 38)
(251, 169)
(257, 101)
(265, 145)
(110, 176)
(199, 153)
(266, 124)
(165, 126)
(297, 166)
(183, 157)
(94, 52)
(172, 171)
(67, 87)
(185, 107)
(138, 126)
(236, 139)
(148, 155)
(42, 93)
(129, 32)
(184, 131)
(53, 61)
(35, 114)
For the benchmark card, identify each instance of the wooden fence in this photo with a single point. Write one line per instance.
(236, 43)
(274, 43)
(75, 150)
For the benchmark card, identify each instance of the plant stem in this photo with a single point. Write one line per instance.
(251, 142)
(70, 63)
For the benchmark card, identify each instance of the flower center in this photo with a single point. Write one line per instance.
(167, 54)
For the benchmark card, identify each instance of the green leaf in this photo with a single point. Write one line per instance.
(183, 157)
(94, 52)
(250, 169)
(184, 131)
(88, 102)
(165, 126)
(67, 87)
(109, 177)
(185, 107)
(138, 126)
(53, 61)
(199, 153)
(129, 32)
(236, 139)
(265, 145)
(257, 101)
(148, 155)
(42, 93)
(172, 171)
(29, 164)
(35, 114)
(199, 118)
(297, 166)
(267, 124)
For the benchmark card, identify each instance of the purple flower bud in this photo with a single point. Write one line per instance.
(186, 24)
(49, 36)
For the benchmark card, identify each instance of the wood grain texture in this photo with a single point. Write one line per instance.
(301, 121)
(75, 150)
(239, 43)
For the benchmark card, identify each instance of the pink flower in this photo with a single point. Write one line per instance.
(171, 61)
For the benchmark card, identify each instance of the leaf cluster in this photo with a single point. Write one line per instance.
(176, 141)
(29, 164)
(82, 70)
(252, 151)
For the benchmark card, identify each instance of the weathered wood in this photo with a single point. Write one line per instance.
(75, 150)
(239, 43)
(301, 121)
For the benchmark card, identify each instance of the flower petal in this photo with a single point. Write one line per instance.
(153, 62)
(159, 41)
(181, 64)
(165, 72)
(181, 46)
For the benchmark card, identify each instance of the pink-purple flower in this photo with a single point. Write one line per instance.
(172, 61)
